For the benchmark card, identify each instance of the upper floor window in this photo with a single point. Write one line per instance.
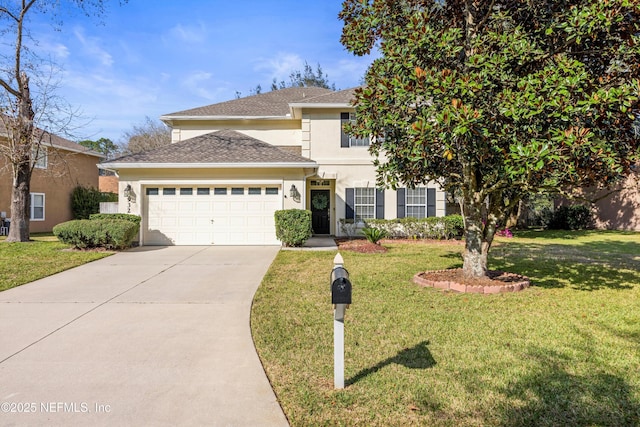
(39, 156)
(348, 140)
(37, 207)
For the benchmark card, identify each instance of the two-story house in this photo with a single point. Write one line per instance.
(60, 166)
(232, 164)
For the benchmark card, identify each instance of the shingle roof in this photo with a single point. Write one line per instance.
(345, 96)
(269, 104)
(51, 140)
(221, 147)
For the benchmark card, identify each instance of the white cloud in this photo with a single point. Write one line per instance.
(280, 66)
(202, 84)
(91, 46)
(195, 33)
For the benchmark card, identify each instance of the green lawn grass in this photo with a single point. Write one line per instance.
(564, 352)
(24, 262)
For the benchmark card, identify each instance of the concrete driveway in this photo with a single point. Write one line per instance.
(152, 336)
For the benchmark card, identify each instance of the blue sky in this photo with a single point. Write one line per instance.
(153, 57)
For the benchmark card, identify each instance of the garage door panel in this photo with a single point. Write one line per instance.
(186, 218)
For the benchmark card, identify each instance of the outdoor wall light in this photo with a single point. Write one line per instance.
(294, 193)
(128, 193)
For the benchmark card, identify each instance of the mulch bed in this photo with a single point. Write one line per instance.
(452, 279)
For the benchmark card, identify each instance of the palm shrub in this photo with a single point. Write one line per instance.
(374, 235)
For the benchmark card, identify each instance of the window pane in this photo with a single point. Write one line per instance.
(416, 202)
(365, 203)
(152, 191)
(186, 191)
(237, 191)
(255, 190)
(38, 213)
(203, 192)
(221, 191)
(271, 190)
(168, 191)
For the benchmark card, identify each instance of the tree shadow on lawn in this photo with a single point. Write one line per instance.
(555, 396)
(587, 267)
(416, 357)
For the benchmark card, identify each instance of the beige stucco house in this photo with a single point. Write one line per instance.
(232, 164)
(61, 166)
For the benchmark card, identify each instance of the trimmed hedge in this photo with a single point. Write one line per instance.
(437, 227)
(108, 233)
(117, 216)
(293, 226)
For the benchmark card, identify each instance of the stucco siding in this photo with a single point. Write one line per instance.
(65, 171)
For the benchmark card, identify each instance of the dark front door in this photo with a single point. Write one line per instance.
(320, 203)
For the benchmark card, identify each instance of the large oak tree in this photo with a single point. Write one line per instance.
(497, 100)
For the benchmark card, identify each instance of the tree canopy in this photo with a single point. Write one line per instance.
(145, 136)
(298, 78)
(102, 145)
(496, 100)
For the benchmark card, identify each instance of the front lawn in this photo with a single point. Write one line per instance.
(22, 263)
(564, 352)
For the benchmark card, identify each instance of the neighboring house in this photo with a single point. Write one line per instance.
(614, 209)
(61, 166)
(108, 184)
(232, 164)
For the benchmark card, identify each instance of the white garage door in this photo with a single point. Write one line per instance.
(211, 215)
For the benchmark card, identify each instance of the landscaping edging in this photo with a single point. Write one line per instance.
(515, 283)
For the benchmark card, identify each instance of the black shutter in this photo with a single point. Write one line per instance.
(344, 138)
(350, 212)
(431, 202)
(401, 194)
(379, 204)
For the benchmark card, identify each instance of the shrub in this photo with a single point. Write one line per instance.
(109, 234)
(116, 216)
(85, 201)
(293, 226)
(374, 235)
(108, 197)
(443, 227)
(348, 226)
(577, 217)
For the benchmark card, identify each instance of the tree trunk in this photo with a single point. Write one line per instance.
(22, 138)
(475, 248)
(20, 204)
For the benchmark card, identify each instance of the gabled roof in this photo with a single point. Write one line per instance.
(270, 104)
(339, 98)
(221, 149)
(55, 141)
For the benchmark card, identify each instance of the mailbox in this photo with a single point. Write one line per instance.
(340, 286)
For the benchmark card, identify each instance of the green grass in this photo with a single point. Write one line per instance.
(563, 352)
(43, 256)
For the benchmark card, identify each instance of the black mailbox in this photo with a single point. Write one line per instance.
(340, 286)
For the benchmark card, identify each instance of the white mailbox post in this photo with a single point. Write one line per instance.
(340, 298)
